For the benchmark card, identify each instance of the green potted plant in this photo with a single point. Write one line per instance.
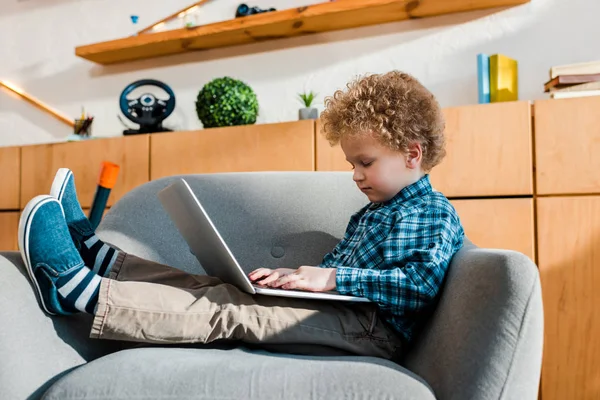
(226, 102)
(308, 112)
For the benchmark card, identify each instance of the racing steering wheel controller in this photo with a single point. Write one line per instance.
(147, 110)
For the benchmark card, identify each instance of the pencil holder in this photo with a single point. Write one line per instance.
(83, 127)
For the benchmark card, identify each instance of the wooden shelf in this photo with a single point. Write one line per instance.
(322, 17)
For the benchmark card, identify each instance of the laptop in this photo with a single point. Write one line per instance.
(209, 248)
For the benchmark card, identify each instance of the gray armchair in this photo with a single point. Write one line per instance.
(484, 340)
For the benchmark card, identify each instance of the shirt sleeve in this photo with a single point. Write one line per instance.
(416, 254)
(329, 259)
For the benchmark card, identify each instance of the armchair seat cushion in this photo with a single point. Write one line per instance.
(190, 373)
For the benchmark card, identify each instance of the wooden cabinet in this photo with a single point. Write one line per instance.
(569, 263)
(329, 158)
(489, 152)
(10, 165)
(567, 144)
(499, 223)
(40, 163)
(9, 224)
(270, 147)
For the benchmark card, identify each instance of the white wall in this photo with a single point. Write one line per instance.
(38, 38)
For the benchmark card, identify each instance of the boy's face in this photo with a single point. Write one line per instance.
(380, 172)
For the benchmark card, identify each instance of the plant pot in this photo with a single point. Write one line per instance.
(308, 113)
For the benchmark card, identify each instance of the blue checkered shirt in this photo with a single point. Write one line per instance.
(397, 253)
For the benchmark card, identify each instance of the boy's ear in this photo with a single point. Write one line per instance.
(414, 155)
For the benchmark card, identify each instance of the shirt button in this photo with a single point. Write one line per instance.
(431, 245)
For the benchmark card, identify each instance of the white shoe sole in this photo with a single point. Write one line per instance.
(24, 229)
(60, 183)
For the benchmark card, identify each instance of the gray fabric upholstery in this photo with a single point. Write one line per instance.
(237, 374)
(484, 340)
(34, 348)
(305, 214)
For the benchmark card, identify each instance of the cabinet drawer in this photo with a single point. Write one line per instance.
(489, 151)
(569, 262)
(85, 158)
(499, 223)
(329, 158)
(9, 225)
(269, 147)
(10, 165)
(567, 143)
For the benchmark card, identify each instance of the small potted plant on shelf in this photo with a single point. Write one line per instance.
(308, 112)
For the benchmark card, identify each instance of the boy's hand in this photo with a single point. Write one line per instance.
(312, 279)
(268, 276)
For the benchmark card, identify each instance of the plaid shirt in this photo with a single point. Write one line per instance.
(396, 253)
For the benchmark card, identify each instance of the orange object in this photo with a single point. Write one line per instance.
(108, 175)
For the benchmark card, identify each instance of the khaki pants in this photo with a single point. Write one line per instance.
(144, 301)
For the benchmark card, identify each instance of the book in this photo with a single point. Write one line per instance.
(577, 87)
(504, 79)
(483, 78)
(562, 81)
(569, 95)
(586, 68)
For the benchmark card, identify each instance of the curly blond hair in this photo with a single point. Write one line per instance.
(395, 107)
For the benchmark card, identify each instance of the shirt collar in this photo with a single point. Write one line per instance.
(417, 189)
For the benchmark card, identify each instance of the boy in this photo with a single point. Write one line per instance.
(395, 251)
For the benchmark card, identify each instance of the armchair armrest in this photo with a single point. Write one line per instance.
(36, 349)
(485, 339)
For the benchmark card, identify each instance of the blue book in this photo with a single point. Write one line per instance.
(483, 78)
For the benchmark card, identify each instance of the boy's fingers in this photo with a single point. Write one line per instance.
(286, 279)
(270, 278)
(299, 284)
(259, 273)
(260, 282)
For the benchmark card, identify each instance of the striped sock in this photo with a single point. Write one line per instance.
(79, 289)
(96, 254)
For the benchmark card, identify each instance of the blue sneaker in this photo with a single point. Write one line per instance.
(64, 285)
(96, 254)
(63, 190)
